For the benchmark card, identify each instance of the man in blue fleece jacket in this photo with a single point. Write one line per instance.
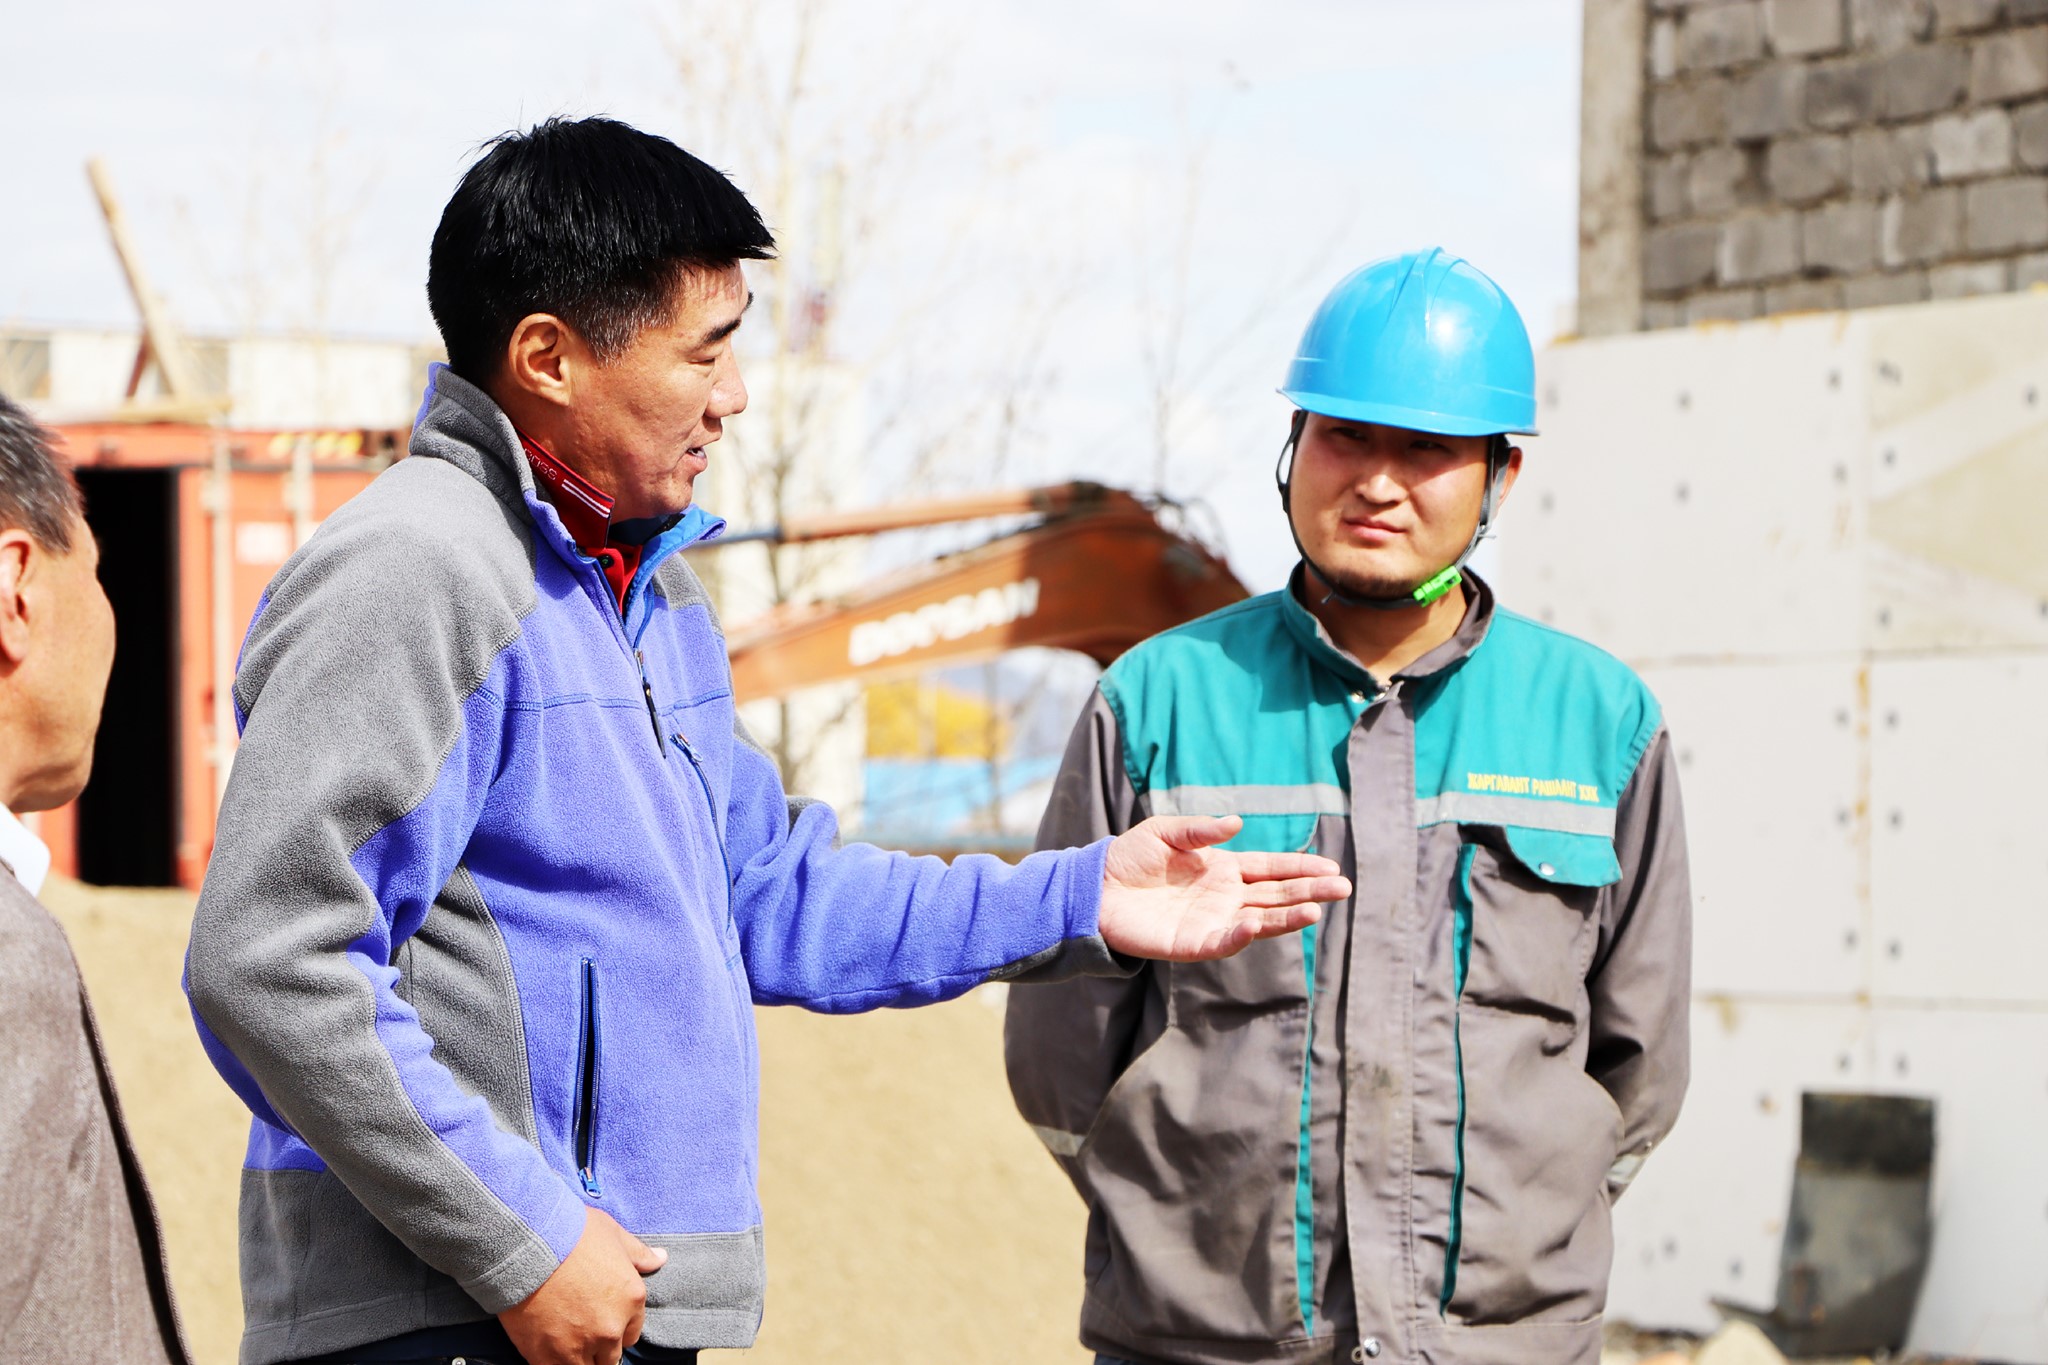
(498, 877)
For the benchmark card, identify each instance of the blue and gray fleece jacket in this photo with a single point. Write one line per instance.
(497, 880)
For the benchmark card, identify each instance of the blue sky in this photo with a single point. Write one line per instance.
(1331, 132)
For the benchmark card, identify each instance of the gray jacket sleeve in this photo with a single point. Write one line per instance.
(1641, 983)
(1065, 1044)
(371, 739)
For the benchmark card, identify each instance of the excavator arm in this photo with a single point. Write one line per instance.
(1098, 575)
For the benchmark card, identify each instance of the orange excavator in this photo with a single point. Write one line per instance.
(1096, 572)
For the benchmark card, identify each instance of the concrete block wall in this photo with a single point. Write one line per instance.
(1807, 154)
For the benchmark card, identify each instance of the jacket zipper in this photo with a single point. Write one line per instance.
(1461, 963)
(1304, 1175)
(586, 1088)
(619, 620)
(647, 693)
(717, 834)
(1304, 1172)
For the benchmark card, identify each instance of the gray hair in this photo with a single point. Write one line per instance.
(37, 492)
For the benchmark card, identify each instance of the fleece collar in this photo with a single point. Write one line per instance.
(460, 423)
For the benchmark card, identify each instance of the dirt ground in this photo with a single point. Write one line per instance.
(911, 1216)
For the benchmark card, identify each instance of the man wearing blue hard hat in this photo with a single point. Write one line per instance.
(1398, 1135)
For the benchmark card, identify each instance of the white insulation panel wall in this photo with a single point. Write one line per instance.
(1821, 540)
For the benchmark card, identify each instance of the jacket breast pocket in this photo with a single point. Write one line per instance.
(1532, 896)
(1269, 974)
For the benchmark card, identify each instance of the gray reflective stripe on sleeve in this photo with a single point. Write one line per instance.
(1624, 1169)
(1485, 808)
(1057, 1141)
(1311, 798)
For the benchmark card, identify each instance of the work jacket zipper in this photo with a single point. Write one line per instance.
(586, 1088)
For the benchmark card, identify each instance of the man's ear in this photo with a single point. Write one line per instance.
(542, 358)
(18, 554)
(1513, 472)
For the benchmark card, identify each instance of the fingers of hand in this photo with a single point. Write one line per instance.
(1270, 867)
(646, 1259)
(1287, 919)
(1297, 889)
(1250, 925)
(1190, 832)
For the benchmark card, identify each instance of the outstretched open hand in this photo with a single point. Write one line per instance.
(1168, 893)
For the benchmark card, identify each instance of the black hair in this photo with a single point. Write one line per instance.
(37, 492)
(588, 219)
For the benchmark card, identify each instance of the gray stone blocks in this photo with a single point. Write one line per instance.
(1821, 154)
(1924, 79)
(1806, 170)
(1887, 25)
(1759, 247)
(2030, 135)
(1840, 239)
(1881, 291)
(1803, 296)
(1721, 35)
(1725, 305)
(1768, 101)
(1805, 28)
(1659, 314)
(1842, 94)
(1663, 49)
(1664, 180)
(1680, 257)
(2009, 66)
(1886, 159)
(2006, 215)
(1965, 16)
(1918, 229)
(1969, 279)
(1968, 145)
(1688, 114)
(1720, 180)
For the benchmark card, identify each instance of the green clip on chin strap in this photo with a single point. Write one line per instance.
(1436, 585)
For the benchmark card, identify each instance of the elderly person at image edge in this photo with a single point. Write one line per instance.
(498, 879)
(84, 1277)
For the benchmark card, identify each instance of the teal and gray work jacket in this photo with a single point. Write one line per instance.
(1396, 1135)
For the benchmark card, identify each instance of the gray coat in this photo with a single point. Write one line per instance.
(1397, 1135)
(84, 1278)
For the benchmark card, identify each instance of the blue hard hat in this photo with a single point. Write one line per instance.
(1422, 341)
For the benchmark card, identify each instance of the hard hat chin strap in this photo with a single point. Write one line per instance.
(1436, 585)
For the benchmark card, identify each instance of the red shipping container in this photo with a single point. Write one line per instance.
(193, 522)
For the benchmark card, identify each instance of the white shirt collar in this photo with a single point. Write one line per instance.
(26, 856)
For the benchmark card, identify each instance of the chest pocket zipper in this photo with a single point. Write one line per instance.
(647, 693)
(586, 1088)
(717, 834)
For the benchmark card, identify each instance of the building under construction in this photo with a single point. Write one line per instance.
(1811, 531)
